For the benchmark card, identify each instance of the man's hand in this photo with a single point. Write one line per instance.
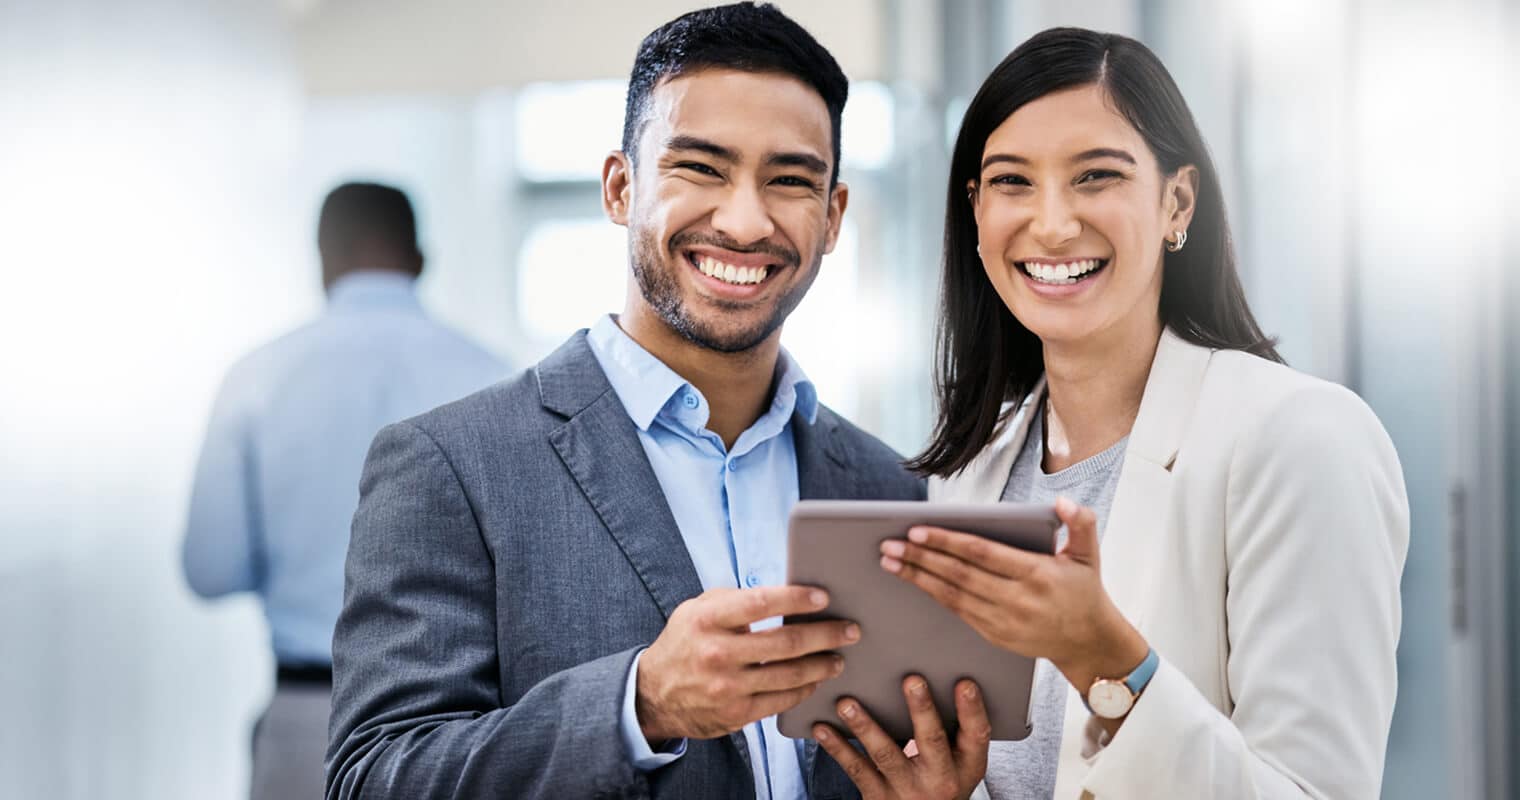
(937, 770)
(707, 675)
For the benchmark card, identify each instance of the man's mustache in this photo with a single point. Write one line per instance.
(783, 255)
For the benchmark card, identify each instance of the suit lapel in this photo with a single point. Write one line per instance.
(822, 465)
(600, 447)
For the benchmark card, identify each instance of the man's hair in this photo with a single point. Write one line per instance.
(366, 212)
(742, 36)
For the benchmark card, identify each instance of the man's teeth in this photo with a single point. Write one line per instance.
(1068, 272)
(728, 273)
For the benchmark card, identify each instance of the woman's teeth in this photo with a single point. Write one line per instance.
(1060, 274)
(728, 273)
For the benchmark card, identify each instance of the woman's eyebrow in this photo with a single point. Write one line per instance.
(1103, 152)
(1003, 158)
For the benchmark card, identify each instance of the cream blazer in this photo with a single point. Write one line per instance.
(1256, 540)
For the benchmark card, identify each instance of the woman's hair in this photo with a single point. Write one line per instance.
(983, 355)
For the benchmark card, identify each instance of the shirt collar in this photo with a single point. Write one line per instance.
(372, 289)
(647, 386)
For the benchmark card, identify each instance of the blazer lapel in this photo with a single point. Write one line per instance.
(983, 480)
(600, 447)
(1142, 501)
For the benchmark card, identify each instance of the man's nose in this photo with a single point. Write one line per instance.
(743, 216)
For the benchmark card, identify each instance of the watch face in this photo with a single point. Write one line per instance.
(1109, 699)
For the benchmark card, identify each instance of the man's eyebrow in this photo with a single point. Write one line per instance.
(1103, 152)
(807, 161)
(718, 151)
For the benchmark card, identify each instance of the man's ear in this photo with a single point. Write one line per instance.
(617, 187)
(839, 198)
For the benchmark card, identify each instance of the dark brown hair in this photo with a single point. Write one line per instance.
(984, 356)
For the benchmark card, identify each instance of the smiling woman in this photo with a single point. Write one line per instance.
(1096, 352)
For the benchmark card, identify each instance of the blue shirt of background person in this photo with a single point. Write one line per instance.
(278, 476)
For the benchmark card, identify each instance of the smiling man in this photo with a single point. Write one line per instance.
(568, 585)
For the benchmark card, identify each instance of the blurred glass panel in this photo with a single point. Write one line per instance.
(868, 135)
(564, 130)
(569, 272)
(832, 331)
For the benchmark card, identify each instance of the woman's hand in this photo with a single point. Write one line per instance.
(1052, 607)
(932, 767)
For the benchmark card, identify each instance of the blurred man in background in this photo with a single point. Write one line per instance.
(278, 476)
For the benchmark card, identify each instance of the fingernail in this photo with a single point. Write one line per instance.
(1063, 506)
(821, 733)
(847, 710)
(818, 598)
(917, 688)
(918, 535)
(893, 547)
(838, 664)
(891, 564)
(969, 692)
(851, 632)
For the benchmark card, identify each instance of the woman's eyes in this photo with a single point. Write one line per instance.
(1092, 176)
(1095, 175)
(1009, 180)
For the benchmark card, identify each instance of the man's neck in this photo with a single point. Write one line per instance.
(1095, 390)
(737, 385)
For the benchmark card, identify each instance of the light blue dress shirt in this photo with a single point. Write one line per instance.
(730, 505)
(278, 477)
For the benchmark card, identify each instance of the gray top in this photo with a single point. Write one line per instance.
(1027, 769)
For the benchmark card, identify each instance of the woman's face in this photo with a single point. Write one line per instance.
(1072, 215)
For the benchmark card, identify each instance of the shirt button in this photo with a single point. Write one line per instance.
(690, 400)
(733, 465)
(752, 580)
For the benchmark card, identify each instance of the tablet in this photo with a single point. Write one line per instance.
(835, 544)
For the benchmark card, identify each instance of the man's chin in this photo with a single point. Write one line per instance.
(724, 336)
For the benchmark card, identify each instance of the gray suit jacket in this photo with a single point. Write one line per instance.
(511, 553)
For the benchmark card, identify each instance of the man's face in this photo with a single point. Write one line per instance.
(729, 212)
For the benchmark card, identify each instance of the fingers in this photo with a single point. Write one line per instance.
(794, 673)
(1081, 531)
(975, 734)
(967, 606)
(769, 704)
(992, 556)
(861, 771)
(735, 609)
(884, 753)
(932, 745)
(795, 640)
(969, 577)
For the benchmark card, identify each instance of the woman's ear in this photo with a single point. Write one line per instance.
(972, 196)
(1181, 198)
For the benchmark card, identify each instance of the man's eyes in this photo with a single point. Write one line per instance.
(698, 167)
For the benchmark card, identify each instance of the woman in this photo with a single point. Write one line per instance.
(1096, 344)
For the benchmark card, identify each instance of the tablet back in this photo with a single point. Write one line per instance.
(835, 544)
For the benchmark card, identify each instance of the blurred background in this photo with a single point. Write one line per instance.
(162, 164)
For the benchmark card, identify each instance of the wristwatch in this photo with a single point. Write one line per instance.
(1112, 698)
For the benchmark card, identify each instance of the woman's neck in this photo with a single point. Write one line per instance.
(1094, 389)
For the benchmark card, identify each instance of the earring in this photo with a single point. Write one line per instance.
(978, 251)
(1181, 240)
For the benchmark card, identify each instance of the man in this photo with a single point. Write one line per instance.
(279, 471)
(552, 584)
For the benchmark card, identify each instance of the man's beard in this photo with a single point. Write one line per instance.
(662, 291)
